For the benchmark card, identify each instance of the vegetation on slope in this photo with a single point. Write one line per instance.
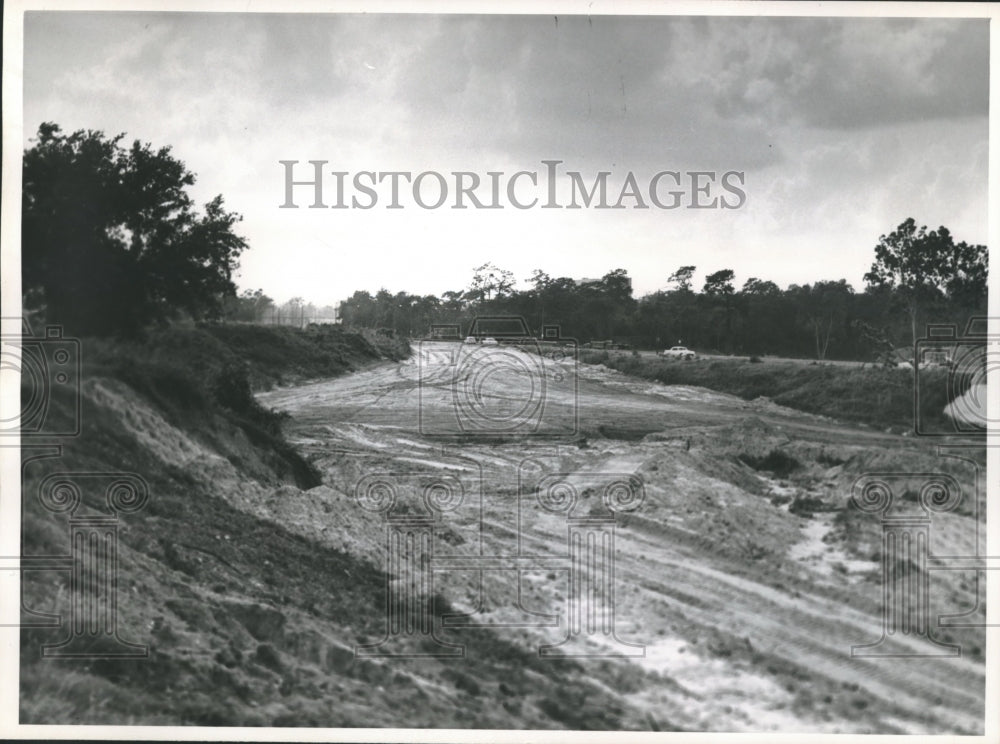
(872, 395)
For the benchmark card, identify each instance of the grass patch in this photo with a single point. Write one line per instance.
(876, 396)
(280, 355)
(203, 378)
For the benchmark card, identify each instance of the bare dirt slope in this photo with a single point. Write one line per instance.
(745, 574)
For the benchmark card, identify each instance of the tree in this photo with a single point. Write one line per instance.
(719, 283)
(606, 306)
(876, 340)
(539, 280)
(823, 306)
(533, 301)
(453, 300)
(760, 287)
(385, 309)
(760, 307)
(682, 278)
(358, 310)
(111, 240)
(489, 282)
(251, 306)
(966, 270)
(718, 291)
(921, 266)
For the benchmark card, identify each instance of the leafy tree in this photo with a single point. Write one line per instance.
(823, 307)
(358, 311)
(755, 286)
(111, 241)
(385, 310)
(682, 278)
(539, 280)
(618, 285)
(532, 303)
(490, 281)
(719, 283)
(966, 270)
(605, 307)
(718, 295)
(877, 342)
(761, 308)
(923, 266)
(453, 301)
(252, 306)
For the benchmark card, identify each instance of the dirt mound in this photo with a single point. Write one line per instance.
(755, 437)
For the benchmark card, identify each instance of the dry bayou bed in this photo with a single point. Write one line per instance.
(744, 577)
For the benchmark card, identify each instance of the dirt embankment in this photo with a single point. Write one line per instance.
(872, 395)
(239, 575)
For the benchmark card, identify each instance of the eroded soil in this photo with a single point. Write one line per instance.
(742, 578)
(746, 576)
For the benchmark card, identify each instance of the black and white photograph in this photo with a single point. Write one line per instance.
(472, 372)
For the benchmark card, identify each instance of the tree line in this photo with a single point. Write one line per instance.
(917, 276)
(253, 306)
(112, 243)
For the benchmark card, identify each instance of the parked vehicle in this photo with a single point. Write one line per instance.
(935, 358)
(470, 340)
(490, 341)
(678, 352)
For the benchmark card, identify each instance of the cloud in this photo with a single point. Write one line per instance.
(852, 73)
(844, 128)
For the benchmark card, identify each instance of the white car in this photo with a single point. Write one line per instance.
(488, 341)
(470, 340)
(678, 352)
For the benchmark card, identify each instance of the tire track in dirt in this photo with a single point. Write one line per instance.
(771, 637)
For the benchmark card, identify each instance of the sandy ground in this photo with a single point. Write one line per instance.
(739, 611)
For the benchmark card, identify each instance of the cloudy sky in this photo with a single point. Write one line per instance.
(843, 128)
